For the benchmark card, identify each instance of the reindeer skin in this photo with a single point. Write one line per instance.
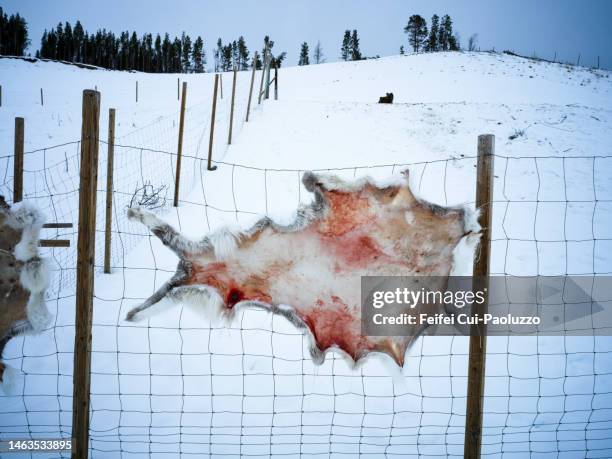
(309, 271)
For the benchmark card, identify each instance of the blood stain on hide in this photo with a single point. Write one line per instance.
(335, 325)
(233, 296)
(349, 211)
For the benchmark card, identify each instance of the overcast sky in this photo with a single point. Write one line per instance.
(568, 27)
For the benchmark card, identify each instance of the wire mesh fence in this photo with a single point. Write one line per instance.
(180, 384)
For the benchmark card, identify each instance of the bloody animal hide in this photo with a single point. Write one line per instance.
(310, 271)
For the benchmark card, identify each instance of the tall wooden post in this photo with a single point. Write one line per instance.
(178, 89)
(267, 71)
(231, 120)
(221, 84)
(251, 88)
(1, 86)
(109, 190)
(85, 273)
(42, 99)
(480, 282)
(263, 74)
(136, 90)
(179, 151)
(18, 161)
(212, 125)
(275, 82)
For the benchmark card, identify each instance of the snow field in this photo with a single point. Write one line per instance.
(181, 384)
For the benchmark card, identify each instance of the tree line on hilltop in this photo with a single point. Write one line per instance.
(124, 52)
(166, 54)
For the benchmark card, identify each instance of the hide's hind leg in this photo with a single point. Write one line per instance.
(170, 237)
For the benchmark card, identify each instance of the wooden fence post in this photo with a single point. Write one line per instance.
(251, 88)
(18, 161)
(263, 73)
(179, 151)
(480, 282)
(136, 90)
(210, 167)
(178, 89)
(275, 82)
(578, 62)
(85, 273)
(267, 72)
(221, 84)
(42, 100)
(109, 190)
(1, 87)
(231, 120)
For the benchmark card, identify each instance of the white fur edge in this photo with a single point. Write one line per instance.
(24, 214)
(29, 219)
(470, 219)
(37, 312)
(12, 381)
(224, 242)
(35, 275)
(332, 182)
(35, 272)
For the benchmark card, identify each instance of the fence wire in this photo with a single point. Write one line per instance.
(181, 385)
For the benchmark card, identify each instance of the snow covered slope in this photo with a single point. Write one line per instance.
(552, 215)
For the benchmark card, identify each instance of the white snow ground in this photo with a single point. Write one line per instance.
(179, 385)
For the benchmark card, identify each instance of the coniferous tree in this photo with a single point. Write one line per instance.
(243, 54)
(446, 38)
(186, 50)
(417, 32)
(198, 56)
(274, 60)
(157, 55)
(317, 54)
(234, 55)
(68, 43)
(177, 53)
(13, 34)
(346, 45)
(61, 42)
(166, 53)
(226, 58)
(442, 37)
(277, 61)
(355, 52)
(402, 50)
(304, 59)
(432, 41)
(149, 53)
(78, 36)
(258, 62)
(133, 51)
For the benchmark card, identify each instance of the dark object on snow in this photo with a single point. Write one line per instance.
(388, 99)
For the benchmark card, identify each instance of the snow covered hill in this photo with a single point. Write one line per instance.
(552, 215)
